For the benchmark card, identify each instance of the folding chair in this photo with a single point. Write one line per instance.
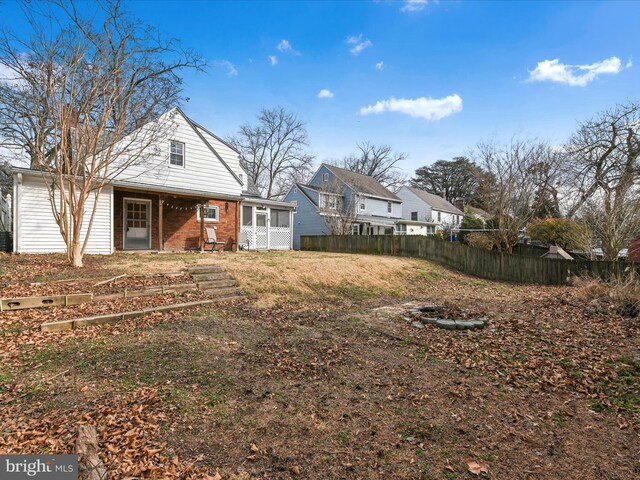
(212, 239)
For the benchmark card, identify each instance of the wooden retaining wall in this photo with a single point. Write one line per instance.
(474, 261)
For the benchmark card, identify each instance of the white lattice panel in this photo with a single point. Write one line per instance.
(247, 231)
(279, 238)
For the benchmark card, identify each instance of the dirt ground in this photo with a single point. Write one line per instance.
(318, 375)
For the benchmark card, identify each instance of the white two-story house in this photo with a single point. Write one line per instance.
(424, 213)
(190, 179)
(339, 201)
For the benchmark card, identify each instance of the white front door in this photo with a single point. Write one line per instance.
(261, 230)
(137, 224)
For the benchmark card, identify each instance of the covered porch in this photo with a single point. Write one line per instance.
(370, 225)
(172, 221)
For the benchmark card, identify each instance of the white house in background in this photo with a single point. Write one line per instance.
(424, 213)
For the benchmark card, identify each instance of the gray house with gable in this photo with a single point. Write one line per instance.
(339, 201)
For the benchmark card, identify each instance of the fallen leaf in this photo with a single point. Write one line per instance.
(477, 467)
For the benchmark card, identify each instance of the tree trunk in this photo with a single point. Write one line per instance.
(76, 254)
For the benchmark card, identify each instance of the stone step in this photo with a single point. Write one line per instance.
(208, 277)
(205, 269)
(228, 282)
(224, 292)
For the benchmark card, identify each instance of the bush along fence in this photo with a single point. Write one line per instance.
(474, 261)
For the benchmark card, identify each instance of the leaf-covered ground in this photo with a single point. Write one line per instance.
(326, 379)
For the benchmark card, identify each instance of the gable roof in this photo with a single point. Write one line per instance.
(360, 183)
(436, 201)
(195, 128)
(479, 212)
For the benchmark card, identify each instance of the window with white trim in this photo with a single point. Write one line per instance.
(279, 218)
(177, 154)
(355, 229)
(325, 177)
(247, 216)
(401, 229)
(329, 202)
(362, 204)
(389, 207)
(211, 214)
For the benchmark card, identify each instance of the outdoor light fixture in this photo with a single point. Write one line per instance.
(226, 206)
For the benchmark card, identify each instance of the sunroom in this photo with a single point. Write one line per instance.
(266, 225)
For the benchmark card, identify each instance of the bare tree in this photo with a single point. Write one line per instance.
(603, 167)
(377, 161)
(84, 84)
(515, 168)
(273, 151)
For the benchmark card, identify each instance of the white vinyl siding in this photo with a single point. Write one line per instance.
(202, 171)
(38, 231)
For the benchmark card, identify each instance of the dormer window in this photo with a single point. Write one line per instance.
(177, 154)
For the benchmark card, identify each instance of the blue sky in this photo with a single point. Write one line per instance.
(471, 63)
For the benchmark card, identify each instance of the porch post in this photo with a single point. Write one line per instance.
(160, 226)
(202, 227)
(237, 225)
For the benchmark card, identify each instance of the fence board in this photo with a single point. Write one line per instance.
(474, 261)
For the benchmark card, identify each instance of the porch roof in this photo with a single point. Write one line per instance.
(183, 192)
(378, 221)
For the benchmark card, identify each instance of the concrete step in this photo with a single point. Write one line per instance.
(208, 277)
(224, 292)
(205, 269)
(229, 282)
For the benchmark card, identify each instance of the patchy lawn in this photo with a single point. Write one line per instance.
(319, 376)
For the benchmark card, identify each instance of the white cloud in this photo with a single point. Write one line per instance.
(232, 71)
(273, 59)
(380, 65)
(325, 93)
(358, 44)
(428, 108)
(575, 75)
(285, 47)
(414, 5)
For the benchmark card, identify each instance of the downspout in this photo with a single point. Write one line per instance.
(17, 187)
(237, 224)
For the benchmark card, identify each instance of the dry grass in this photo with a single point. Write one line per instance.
(621, 294)
(268, 277)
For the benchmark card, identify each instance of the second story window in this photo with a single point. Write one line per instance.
(439, 217)
(389, 207)
(329, 202)
(325, 177)
(177, 154)
(414, 216)
(362, 204)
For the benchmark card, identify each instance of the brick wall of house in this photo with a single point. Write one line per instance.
(118, 216)
(181, 230)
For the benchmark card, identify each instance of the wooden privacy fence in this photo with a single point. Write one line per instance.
(474, 261)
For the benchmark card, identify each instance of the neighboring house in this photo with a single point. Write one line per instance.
(478, 213)
(152, 206)
(5, 213)
(427, 213)
(340, 201)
